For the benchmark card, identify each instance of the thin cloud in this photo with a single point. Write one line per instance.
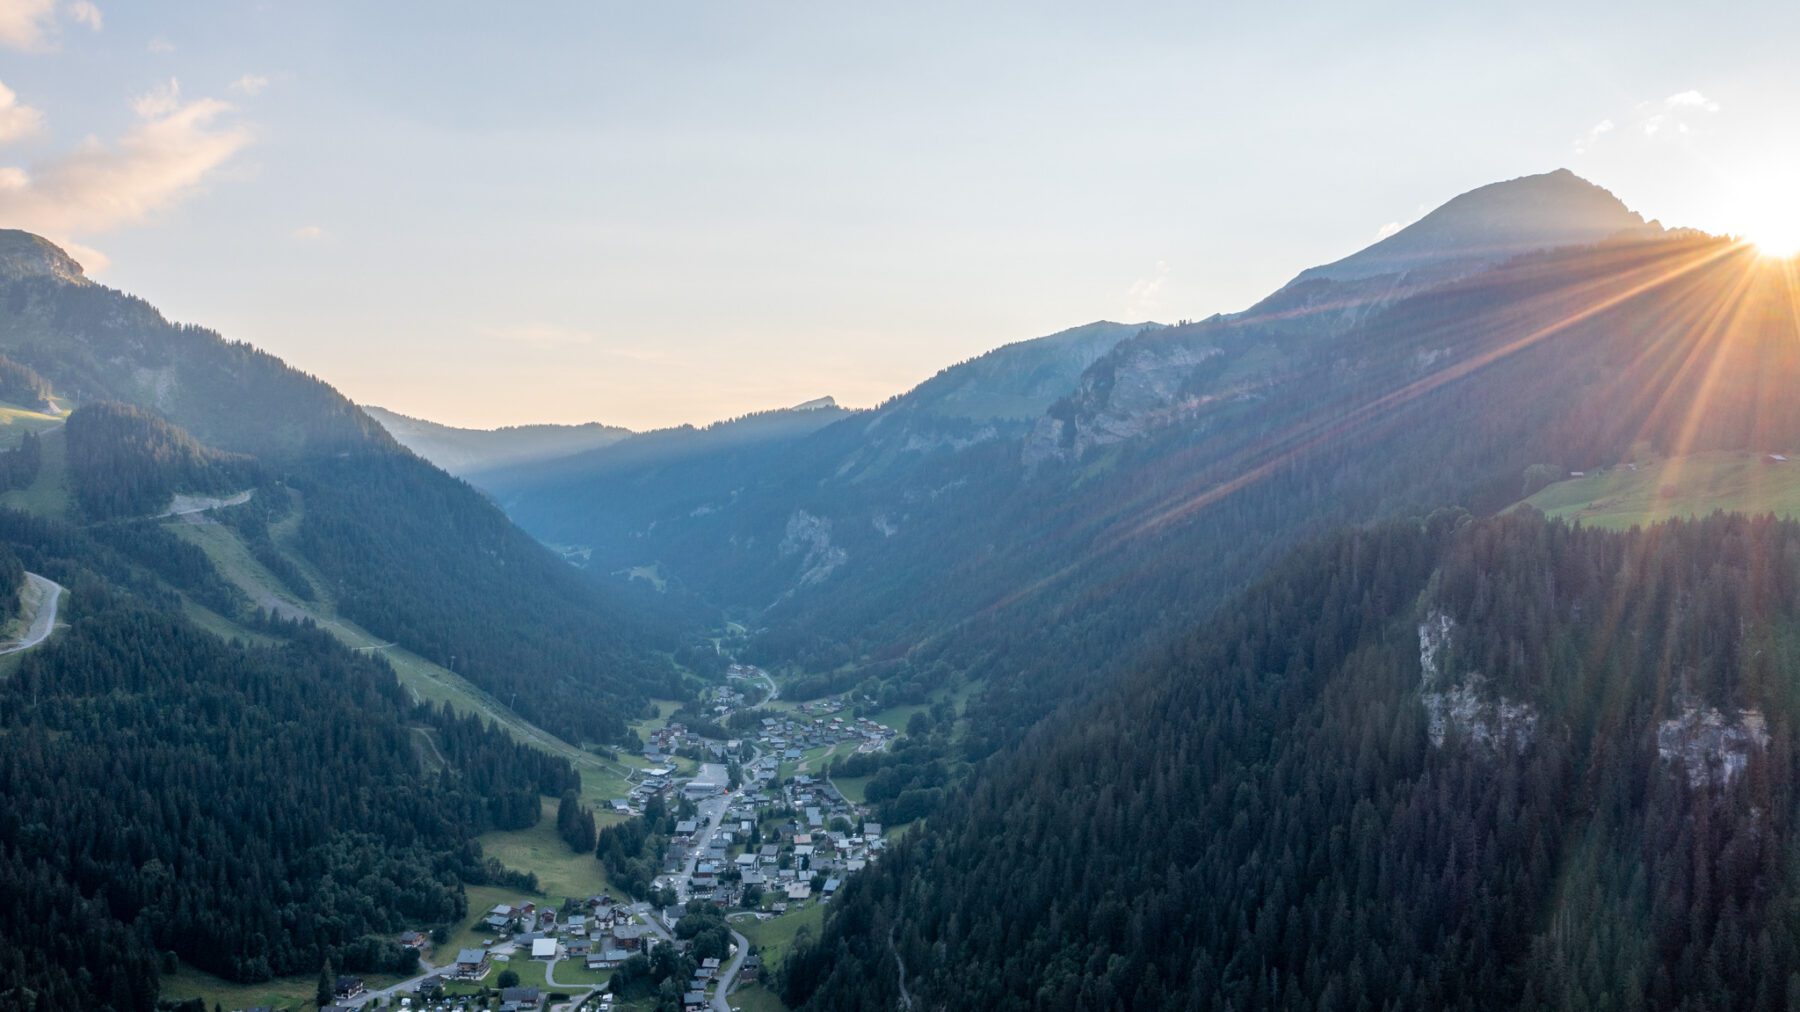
(539, 335)
(30, 25)
(1143, 296)
(159, 45)
(84, 12)
(1586, 142)
(309, 232)
(1691, 100)
(170, 151)
(17, 120)
(26, 24)
(1386, 230)
(250, 84)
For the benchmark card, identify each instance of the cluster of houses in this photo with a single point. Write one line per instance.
(782, 860)
(789, 738)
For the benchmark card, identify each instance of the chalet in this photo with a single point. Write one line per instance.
(471, 963)
(431, 986)
(543, 948)
(799, 891)
(693, 1000)
(606, 958)
(751, 970)
(831, 886)
(412, 939)
(630, 937)
(347, 987)
(523, 997)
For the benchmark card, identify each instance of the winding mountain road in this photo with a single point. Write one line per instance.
(43, 622)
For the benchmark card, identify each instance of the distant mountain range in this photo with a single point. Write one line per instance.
(462, 451)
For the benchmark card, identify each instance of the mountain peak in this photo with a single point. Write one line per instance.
(1493, 223)
(23, 255)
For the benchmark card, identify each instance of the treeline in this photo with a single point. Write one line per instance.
(19, 465)
(1261, 821)
(250, 810)
(20, 384)
(125, 461)
(416, 556)
(633, 851)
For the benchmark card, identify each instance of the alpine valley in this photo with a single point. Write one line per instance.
(1422, 636)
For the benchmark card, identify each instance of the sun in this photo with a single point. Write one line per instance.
(1781, 242)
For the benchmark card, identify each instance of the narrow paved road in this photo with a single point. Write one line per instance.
(43, 623)
(720, 1002)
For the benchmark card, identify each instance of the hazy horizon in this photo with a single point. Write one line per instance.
(648, 217)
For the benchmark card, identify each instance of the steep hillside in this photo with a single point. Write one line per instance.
(411, 554)
(1499, 765)
(327, 809)
(464, 451)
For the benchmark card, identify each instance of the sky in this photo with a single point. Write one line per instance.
(655, 213)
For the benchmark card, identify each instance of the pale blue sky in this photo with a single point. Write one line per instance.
(649, 213)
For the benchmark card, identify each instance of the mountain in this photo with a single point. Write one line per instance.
(277, 670)
(913, 556)
(1500, 764)
(402, 549)
(463, 451)
(1491, 224)
(618, 503)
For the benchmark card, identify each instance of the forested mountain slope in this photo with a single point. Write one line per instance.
(410, 553)
(1431, 764)
(250, 809)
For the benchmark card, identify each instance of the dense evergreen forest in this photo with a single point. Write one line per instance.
(250, 810)
(1439, 764)
(125, 461)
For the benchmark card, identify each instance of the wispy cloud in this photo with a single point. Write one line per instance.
(1586, 142)
(31, 24)
(539, 335)
(1674, 115)
(250, 84)
(97, 187)
(85, 13)
(309, 232)
(159, 45)
(1386, 230)
(16, 120)
(1144, 295)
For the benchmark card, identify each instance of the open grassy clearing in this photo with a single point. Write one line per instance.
(48, 494)
(562, 873)
(774, 937)
(756, 998)
(1691, 486)
(854, 789)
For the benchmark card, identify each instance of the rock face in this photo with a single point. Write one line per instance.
(1712, 748)
(25, 255)
(1461, 706)
(810, 537)
(1140, 386)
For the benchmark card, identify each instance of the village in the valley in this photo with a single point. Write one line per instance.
(761, 832)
